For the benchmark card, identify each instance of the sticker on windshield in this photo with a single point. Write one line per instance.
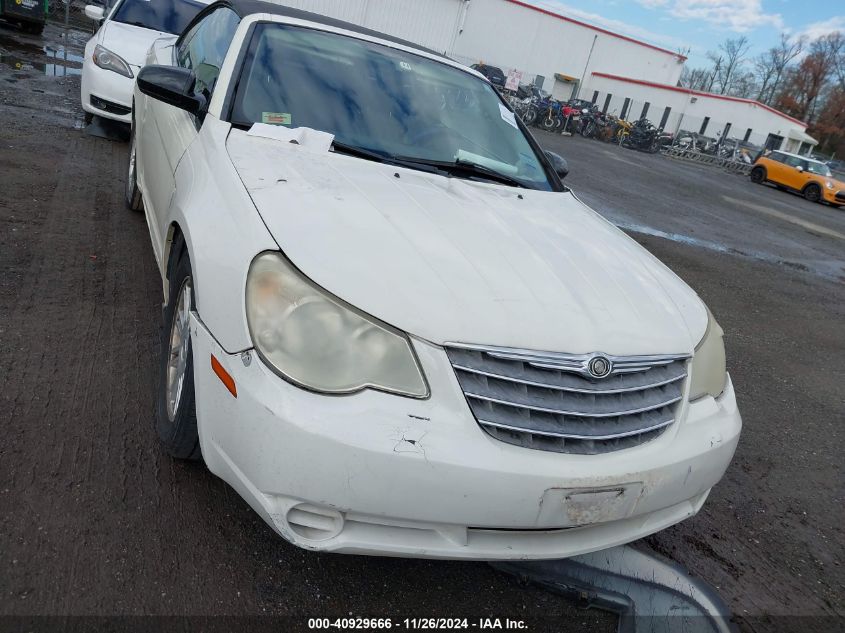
(275, 118)
(507, 116)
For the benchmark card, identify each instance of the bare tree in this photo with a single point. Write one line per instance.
(716, 73)
(835, 43)
(744, 84)
(771, 65)
(694, 78)
(727, 61)
(806, 85)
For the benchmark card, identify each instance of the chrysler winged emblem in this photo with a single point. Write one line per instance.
(599, 367)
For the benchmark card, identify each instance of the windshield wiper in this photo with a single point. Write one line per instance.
(467, 167)
(379, 157)
(460, 166)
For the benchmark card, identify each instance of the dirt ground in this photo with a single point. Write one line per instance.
(95, 520)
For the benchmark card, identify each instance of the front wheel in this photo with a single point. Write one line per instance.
(176, 414)
(758, 175)
(548, 123)
(813, 193)
(132, 195)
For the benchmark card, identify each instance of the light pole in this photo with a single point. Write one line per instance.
(580, 82)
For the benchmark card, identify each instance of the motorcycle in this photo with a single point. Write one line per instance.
(643, 136)
(592, 120)
(549, 118)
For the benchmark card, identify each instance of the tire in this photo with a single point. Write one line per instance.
(549, 123)
(758, 175)
(812, 193)
(176, 414)
(132, 195)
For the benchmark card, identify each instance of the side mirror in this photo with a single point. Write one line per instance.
(94, 12)
(558, 164)
(172, 85)
(800, 169)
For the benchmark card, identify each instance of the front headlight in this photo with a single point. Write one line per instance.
(104, 58)
(315, 340)
(829, 184)
(708, 373)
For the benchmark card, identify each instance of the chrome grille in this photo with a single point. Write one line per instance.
(550, 401)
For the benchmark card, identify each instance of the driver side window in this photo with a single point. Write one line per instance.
(204, 47)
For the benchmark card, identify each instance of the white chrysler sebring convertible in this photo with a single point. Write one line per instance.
(388, 325)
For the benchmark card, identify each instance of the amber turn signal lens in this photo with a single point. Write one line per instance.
(224, 376)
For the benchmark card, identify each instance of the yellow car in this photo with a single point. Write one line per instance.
(811, 178)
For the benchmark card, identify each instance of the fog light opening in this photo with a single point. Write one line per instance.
(313, 522)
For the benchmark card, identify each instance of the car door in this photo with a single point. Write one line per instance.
(795, 172)
(171, 130)
(775, 168)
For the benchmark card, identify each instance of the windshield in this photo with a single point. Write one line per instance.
(168, 16)
(383, 100)
(818, 168)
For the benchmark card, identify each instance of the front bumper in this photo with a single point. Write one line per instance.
(834, 196)
(105, 93)
(374, 473)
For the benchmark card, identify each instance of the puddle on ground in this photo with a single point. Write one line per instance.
(51, 70)
(833, 270)
(25, 56)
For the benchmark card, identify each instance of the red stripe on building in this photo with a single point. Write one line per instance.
(697, 93)
(595, 28)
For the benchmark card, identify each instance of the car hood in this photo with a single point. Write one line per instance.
(451, 260)
(130, 42)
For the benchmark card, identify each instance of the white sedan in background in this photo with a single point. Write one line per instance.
(116, 52)
(388, 325)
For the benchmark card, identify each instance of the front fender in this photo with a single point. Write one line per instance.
(222, 232)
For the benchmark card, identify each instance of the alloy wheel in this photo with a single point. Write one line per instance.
(177, 358)
(130, 176)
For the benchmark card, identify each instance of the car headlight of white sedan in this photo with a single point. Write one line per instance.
(107, 60)
(709, 374)
(318, 342)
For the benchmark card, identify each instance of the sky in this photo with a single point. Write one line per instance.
(701, 25)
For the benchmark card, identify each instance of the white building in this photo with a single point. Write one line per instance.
(510, 34)
(674, 108)
(569, 58)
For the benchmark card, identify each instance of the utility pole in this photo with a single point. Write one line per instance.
(584, 74)
(580, 83)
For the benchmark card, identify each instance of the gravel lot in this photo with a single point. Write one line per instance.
(95, 520)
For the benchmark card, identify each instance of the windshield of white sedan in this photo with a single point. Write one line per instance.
(168, 16)
(385, 103)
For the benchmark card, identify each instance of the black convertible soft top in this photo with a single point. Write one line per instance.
(249, 7)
